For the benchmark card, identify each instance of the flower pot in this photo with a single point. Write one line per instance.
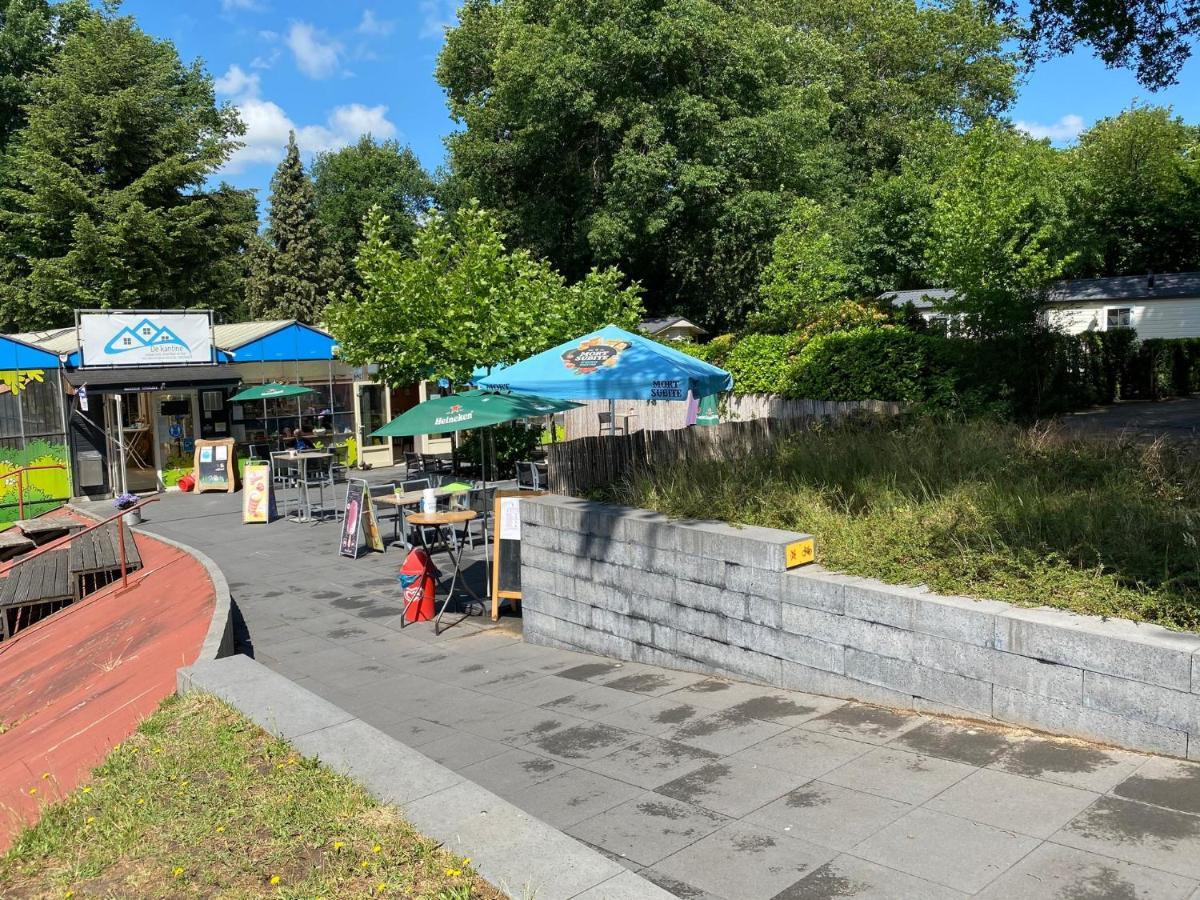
(134, 518)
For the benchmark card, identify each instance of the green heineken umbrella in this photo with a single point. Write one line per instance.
(268, 391)
(470, 409)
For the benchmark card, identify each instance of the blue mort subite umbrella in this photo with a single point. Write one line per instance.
(610, 364)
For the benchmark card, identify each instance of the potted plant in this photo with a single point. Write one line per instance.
(126, 501)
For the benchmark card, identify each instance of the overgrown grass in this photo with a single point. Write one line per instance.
(200, 802)
(1029, 515)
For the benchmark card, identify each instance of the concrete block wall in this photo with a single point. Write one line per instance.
(714, 598)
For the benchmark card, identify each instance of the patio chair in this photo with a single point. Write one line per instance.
(529, 477)
(413, 462)
(284, 473)
(606, 424)
(413, 484)
(387, 489)
(481, 501)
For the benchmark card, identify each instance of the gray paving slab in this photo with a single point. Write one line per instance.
(593, 747)
(732, 787)
(917, 844)
(741, 860)
(1056, 871)
(829, 815)
(1014, 803)
(849, 876)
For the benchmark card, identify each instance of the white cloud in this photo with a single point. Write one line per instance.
(238, 83)
(1067, 128)
(267, 127)
(265, 62)
(437, 16)
(316, 53)
(373, 25)
(231, 5)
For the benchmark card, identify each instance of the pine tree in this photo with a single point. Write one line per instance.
(103, 196)
(295, 271)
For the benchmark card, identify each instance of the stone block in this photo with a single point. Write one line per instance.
(749, 580)
(815, 588)
(814, 623)
(765, 611)
(711, 599)
(1145, 702)
(698, 622)
(652, 609)
(956, 657)
(604, 644)
(687, 567)
(907, 677)
(935, 708)
(536, 535)
(651, 529)
(626, 627)
(655, 656)
(874, 601)
(577, 543)
(1033, 676)
(1111, 647)
(746, 545)
(664, 638)
(537, 579)
(797, 677)
(960, 619)
(552, 604)
(734, 661)
(797, 648)
(603, 596)
(1076, 720)
(624, 553)
(881, 640)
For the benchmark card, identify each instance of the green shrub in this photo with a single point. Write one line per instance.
(761, 363)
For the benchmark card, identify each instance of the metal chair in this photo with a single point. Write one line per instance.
(387, 489)
(319, 475)
(284, 474)
(529, 476)
(413, 462)
(413, 484)
(481, 500)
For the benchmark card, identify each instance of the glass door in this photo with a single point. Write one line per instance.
(371, 413)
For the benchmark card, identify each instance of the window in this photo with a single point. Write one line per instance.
(1118, 317)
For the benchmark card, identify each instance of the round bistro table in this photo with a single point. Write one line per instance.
(439, 521)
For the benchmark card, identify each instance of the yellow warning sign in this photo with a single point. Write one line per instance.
(800, 552)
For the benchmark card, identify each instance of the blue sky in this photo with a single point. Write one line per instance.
(335, 70)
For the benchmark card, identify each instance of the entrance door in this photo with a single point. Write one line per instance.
(175, 431)
(371, 413)
(214, 413)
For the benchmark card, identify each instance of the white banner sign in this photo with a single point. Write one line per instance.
(145, 339)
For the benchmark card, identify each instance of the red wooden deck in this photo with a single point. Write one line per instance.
(77, 683)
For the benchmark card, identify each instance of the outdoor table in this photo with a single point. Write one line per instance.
(303, 502)
(410, 498)
(438, 521)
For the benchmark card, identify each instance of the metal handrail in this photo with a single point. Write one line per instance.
(20, 473)
(12, 565)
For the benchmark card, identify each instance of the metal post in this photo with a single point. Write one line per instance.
(21, 494)
(120, 523)
(121, 441)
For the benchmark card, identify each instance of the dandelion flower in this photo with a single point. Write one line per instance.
(381, 887)
(275, 879)
(376, 849)
(454, 873)
(158, 749)
(68, 895)
(141, 802)
(338, 845)
(89, 820)
(220, 829)
(466, 861)
(184, 783)
(364, 863)
(87, 789)
(178, 872)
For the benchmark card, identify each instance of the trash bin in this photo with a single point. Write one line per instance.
(418, 581)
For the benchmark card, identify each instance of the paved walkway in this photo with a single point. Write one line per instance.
(710, 788)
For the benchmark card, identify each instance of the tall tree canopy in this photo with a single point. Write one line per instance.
(1136, 194)
(997, 232)
(462, 300)
(1152, 37)
(350, 181)
(293, 268)
(672, 137)
(103, 200)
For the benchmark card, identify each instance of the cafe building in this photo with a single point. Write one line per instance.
(133, 391)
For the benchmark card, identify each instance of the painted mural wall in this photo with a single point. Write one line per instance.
(31, 434)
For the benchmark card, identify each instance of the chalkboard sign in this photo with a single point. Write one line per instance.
(213, 466)
(356, 490)
(506, 547)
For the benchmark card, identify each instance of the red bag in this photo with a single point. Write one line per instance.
(417, 581)
(186, 483)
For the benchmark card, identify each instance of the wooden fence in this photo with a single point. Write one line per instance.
(651, 415)
(582, 464)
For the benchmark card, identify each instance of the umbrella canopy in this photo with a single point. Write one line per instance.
(268, 391)
(470, 409)
(611, 364)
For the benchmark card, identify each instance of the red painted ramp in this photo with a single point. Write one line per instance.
(77, 683)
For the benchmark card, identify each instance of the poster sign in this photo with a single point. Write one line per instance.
(258, 496)
(355, 492)
(145, 339)
(213, 466)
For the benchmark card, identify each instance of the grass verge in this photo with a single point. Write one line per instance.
(201, 802)
(1103, 526)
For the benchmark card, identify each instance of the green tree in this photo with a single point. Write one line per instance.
(808, 270)
(104, 201)
(31, 32)
(672, 137)
(997, 232)
(348, 182)
(462, 300)
(294, 271)
(1136, 196)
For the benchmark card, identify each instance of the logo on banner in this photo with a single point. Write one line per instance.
(145, 334)
(454, 416)
(593, 354)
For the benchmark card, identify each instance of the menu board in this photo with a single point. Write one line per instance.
(258, 496)
(213, 465)
(506, 547)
